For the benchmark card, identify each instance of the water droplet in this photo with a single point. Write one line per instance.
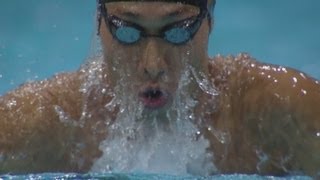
(11, 103)
(65, 118)
(266, 67)
(41, 109)
(103, 91)
(76, 38)
(302, 75)
(295, 80)
(89, 115)
(245, 55)
(304, 91)
(277, 95)
(204, 83)
(263, 157)
(284, 69)
(318, 134)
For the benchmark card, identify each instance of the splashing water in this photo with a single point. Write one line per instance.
(162, 142)
(155, 142)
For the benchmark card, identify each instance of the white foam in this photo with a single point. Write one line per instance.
(156, 142)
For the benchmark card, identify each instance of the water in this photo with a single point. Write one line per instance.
(161, 143)
(138, 176)
(40, 38)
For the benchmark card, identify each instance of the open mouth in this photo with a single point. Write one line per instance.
(153, 98)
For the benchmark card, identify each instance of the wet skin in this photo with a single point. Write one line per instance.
(266, 110)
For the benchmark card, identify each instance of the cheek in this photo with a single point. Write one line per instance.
(200, 40)
(106, 38)
(199, 48)
(173, 59)
(124, 63)
(123, 58)
(178, 60)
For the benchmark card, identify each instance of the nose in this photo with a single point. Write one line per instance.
(153, 65)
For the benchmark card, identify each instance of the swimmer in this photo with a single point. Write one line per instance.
(250, 117)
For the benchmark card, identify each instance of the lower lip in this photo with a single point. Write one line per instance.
(154, 103)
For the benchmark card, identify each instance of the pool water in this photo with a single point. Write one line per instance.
(41, 38)
(146, 177)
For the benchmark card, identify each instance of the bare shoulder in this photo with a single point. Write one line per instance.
(245, 72)
(33, 96)
(29, 118)
(275, 107)
(276, 88)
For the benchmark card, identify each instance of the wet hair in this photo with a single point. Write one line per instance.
(208, 4)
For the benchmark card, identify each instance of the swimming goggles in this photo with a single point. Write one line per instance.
(176, 33)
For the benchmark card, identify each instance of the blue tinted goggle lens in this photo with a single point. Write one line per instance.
(177, 35)
(129, 35)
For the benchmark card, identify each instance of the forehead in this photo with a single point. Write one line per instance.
(151, 9)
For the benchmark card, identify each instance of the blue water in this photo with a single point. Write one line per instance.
(147, 177)
(39, 38)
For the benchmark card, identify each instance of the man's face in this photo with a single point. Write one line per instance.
(152, 67)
